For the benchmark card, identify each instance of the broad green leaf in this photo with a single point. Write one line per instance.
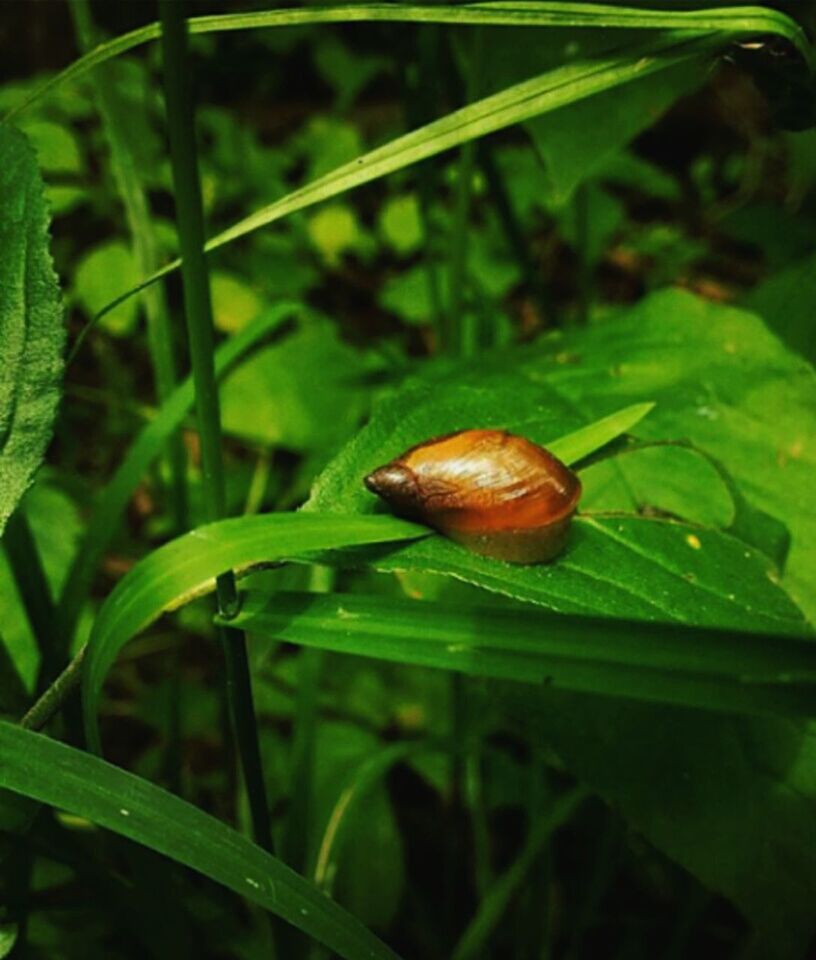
(716, 670)
(730, 22)
(732, 799)
(113, 500)
(31, 328)
(53, 773)
(186, 568)
(720, 380)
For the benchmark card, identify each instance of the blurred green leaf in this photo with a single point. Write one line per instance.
(99, 276)
(576, 144)
(305, 393)
(408, 295)
(400, 224)
(31, 323)
(56, 145)
(134, 808)
(335, 230)
(348, 73)
(234, 302)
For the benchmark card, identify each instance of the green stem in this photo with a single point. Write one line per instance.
(53, 697)
(198, 310)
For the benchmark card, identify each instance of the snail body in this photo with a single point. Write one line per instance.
(495, 493)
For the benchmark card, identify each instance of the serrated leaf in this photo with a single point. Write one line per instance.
(31, 327)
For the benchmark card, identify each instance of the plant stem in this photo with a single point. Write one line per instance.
(198, 310)
(56, 694)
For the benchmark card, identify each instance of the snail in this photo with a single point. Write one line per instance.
(495, 493)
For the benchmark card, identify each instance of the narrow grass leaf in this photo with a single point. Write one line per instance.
(575, 446)
(51, 772)
(187, 567)
(731, 22)
(722, 670)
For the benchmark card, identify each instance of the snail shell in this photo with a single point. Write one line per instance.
(495, 493)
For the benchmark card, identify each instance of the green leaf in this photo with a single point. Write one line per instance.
(186, 568)
(731, 671)
(275, 398)
(720, 380)
(401, 225)
(31, 328)
(235, 303)
(59, 775)
(100, 274)
(786, 302)
(730, 22)
(732, 799)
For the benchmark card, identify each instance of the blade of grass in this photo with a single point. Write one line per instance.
(201, 341)
(186, 568)
(581, 443)
(733, 22)
(113, 500)
(707, 669)
(51, 772)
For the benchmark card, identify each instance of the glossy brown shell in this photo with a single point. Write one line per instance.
(496, 493)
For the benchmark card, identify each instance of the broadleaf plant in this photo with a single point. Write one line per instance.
(31, 326)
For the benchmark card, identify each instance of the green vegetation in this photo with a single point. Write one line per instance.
(249, 257)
